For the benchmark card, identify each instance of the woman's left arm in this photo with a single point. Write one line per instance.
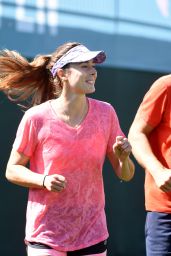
(120, 159)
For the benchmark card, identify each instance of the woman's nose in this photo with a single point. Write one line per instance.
(93, 71)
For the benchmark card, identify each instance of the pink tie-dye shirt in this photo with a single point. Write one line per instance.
(74, 218)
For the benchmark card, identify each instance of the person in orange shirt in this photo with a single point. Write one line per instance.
(150, 137)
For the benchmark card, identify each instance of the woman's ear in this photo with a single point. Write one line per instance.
(61, 74)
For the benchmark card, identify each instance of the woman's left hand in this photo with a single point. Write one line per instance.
(122, 148)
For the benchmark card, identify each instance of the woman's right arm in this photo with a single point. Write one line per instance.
(19, 174)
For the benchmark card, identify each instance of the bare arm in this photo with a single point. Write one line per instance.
(138, 136)
(19, 174)
(120, 160)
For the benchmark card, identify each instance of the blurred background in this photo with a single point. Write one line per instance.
(136, 36)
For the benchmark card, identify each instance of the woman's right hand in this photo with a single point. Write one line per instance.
(54, 182)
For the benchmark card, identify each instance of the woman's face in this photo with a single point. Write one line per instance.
(81, 77)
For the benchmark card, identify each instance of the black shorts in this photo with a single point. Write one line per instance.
(94, 249)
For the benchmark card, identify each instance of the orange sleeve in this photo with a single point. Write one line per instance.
(153, 105)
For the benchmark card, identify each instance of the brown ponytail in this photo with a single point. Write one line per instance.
(22, 80)
(30, 82)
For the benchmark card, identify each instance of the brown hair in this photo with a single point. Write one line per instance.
(23, 81)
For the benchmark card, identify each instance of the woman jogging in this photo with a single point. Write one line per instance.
(65, 137)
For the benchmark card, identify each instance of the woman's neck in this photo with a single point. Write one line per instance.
(72, 104)
(72, 110)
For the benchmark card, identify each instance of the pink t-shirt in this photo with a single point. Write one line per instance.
(74, 218)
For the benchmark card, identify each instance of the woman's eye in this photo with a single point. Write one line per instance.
(87, 65)
(84, 66)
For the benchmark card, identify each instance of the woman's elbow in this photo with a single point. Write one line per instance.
(9, 173)
(128, 177)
